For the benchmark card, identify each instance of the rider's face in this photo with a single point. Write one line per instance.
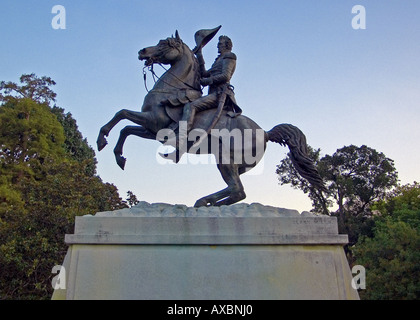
(222, 46)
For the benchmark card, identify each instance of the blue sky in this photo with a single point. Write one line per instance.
(299, 62)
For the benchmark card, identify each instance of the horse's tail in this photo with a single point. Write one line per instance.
(293, 137)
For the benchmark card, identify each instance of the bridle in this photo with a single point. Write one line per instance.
(155, 76)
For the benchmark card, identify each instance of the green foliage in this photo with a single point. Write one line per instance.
(29, 131)
(76, 147)
(381, 218)
(391, 255)
(287, 174)
(47, 177)
(358, 176)
(355, 177)
(34, 241)
(33, 88)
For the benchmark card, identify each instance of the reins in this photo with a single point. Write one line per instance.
(154, 75)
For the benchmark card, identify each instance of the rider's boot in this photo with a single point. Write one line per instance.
(185, 126)
(176, 155)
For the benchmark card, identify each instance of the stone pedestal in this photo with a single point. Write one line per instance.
(239, 252)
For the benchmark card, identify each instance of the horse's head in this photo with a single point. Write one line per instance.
(166, 51)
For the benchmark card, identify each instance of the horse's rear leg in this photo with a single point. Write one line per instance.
(230, 174)
(140, 118)
(129, 130)
(230, 195)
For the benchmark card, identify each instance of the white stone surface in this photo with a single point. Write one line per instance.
(145, 209)
(161, 251)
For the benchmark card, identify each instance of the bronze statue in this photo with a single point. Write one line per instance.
(177, 96)
(220, 92)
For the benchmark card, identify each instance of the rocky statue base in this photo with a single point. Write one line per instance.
(238, 252)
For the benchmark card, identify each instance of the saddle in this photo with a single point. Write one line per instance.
(175, 107)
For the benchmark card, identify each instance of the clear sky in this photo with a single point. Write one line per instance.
(299, 62)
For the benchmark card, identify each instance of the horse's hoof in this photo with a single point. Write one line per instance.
(101, 142)
(202, 203)
(170, 156)
(121, 161)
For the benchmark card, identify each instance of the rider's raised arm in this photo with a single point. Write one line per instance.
(203, 72)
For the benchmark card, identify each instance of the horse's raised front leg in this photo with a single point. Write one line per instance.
(140, 118)
(129, 130)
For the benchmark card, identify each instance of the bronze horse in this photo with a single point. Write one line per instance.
(163, 107)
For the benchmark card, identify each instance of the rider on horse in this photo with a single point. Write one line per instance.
(184, 76)
(220, 91)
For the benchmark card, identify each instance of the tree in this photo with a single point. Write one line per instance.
(355, 177)
(391, 255)
(29, 135)
(287, 174)
(75, 145)
(33, 88)
(47, 177)
(38, 90)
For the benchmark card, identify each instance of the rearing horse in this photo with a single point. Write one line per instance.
(163, 106)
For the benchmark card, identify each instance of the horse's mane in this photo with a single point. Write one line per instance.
(196, 67)
(176, 42)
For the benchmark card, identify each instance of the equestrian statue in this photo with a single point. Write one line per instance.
(176, 113)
